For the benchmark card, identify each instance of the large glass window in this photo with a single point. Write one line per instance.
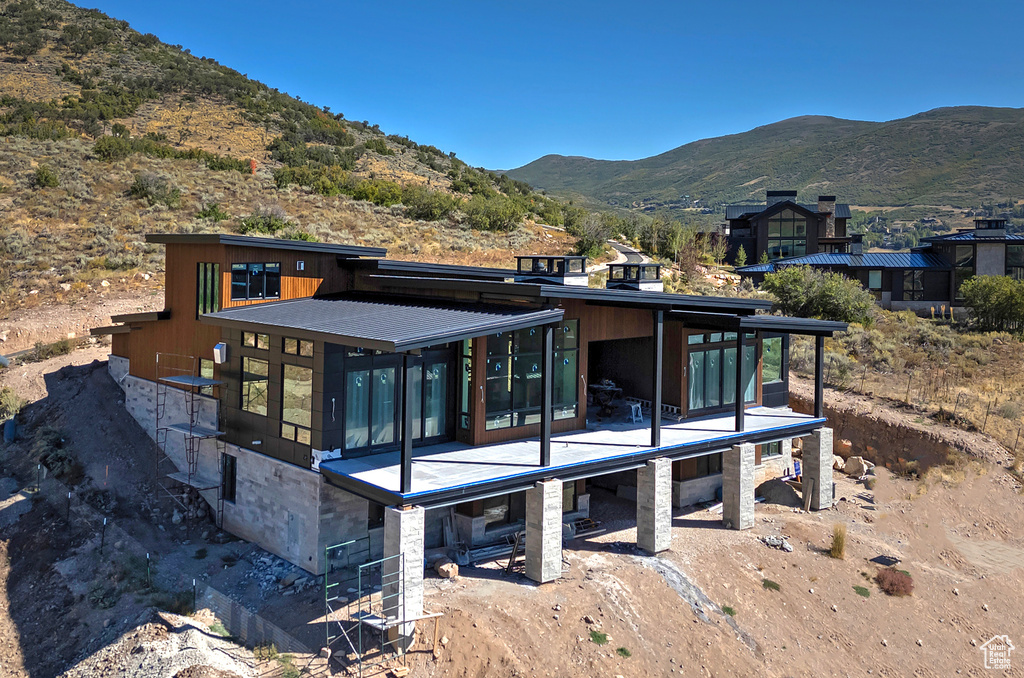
(771, 366)
(875, 283)
(300, 347)
(963, 267)
(296, 403)
(1015, 261)
(255, 281)
(207, 288)
(465, 379)
(256, 340)
(255, 380)
(373, 398)
(512, 388)
(787, 235)
(913, 285)
(357, 409)
(712, 371)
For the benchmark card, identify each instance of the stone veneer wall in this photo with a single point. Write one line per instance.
(290, 511)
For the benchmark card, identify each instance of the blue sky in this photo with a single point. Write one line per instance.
(502, 84)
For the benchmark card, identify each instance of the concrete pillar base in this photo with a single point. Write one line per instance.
(817, 467)
(654, 506)
(402, 585)
(544, 531)
(738, 487)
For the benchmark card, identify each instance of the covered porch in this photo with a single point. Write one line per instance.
(453, 472)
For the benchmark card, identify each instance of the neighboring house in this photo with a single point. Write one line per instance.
(783, 228)
(926, 277)
(316, 394)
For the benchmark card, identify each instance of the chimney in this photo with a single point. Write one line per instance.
(552, 270)
(646, 277)
(780, 196)
(990, 228)
(827, 206)
(857, 244)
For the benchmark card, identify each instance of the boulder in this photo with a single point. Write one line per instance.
(857, 466)
(844, 447)
(776, 491)
(446, 569)
(837, 462)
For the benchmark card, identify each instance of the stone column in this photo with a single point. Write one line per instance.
(654, 506)
(738, 487)
(403, 577)
(817, 467)
(544, 531)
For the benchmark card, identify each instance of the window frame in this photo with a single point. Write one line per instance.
(255, 281)
(719, 343)
(300, 433)
(207, 288)
(245, 396)
(913, 285)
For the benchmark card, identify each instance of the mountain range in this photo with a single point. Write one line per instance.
(959, 156)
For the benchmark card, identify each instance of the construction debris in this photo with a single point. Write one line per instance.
(778, 543)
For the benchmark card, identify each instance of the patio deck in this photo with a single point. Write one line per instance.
(455, 472)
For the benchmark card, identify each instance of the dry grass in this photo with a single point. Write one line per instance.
(838, 549)
(946, 374)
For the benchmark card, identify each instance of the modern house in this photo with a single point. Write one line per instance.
(929, 275)
(783, 228)
(318, 393)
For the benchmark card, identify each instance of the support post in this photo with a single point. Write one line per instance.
(547, 374)
(819, 376)
(544, 531)
(738, 487)
(740, 404)
(654, 505)
(817, 466)
(407, 397)
(402, 571)
(659, 341)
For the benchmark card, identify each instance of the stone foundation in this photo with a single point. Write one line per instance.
(738, 487)
(544, 531)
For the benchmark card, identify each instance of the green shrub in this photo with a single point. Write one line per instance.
(378, 145)
(598, 637)
(996, 302)
(623, 652)
(422, 203)
(378, 191)
(43, 351)
(213, 212)
(266, 220)
(154, 189)
(495, 213)
(770, 585)
(53, 450)
(10, 403)
(729, 610)
(46, 177)
(862, 592)
(805, 292)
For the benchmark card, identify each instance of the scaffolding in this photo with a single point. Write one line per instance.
(178, 376)
(364, 600)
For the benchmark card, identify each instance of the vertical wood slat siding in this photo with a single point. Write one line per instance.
(182, 333)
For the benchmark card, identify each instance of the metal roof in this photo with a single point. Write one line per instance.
(266, 243)
(916, 260)
(537, 292)
(968, 236)
(384, 324)
(417, 267)
(765, 323)
(842, 210)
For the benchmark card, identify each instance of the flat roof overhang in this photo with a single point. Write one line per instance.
(266, 243)
(753, 323)
(540, 293)
(460, 473)
(382, 324)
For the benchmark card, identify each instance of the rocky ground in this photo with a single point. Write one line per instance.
(700, 609)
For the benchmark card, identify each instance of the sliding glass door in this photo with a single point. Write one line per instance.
(712, 371)
(373, 399)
